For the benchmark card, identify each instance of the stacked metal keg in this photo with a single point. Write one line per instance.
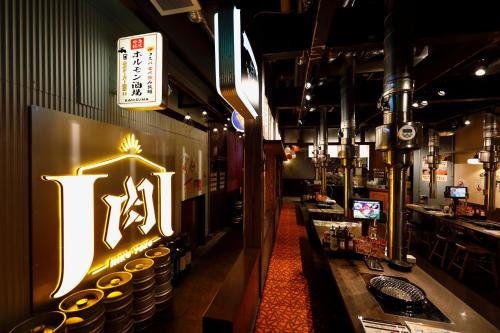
(118, 301)
(163, 276)
(143, 282)
(53, 322)
(84, 311)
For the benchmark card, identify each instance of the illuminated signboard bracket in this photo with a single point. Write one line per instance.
(237, 77)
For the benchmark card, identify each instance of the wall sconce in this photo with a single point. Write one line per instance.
(474, 160)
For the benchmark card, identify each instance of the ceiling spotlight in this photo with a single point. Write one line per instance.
(187, 117)
(228, 119)
(215, 130)
(480, 71)
(308, 97)
(320, 83)
(300, 122)
(225, 125)
(312, 109)
(467, 122)
(239, 136)
(415, 104)
(441, 93)
(225, 128)
(424, 103)
(308, 85)
(204, 113)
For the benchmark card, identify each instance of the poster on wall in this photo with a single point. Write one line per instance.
(441, 172)
(140, 72)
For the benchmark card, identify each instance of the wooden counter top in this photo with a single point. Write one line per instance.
(458, 221)
(335, 210)
(359, 301)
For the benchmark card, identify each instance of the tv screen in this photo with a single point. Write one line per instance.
(366, 209)
(458, 192)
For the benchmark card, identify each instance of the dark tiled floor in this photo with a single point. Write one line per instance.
(195, 292)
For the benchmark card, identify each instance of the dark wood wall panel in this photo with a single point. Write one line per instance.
(58, 54)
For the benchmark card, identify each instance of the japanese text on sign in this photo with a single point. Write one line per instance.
(140, 72)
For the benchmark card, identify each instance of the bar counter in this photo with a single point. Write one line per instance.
(360, 302)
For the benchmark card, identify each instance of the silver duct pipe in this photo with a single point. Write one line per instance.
(323, 157)
(399, 135)
(315, 158)
(347, 132)
(433, 159)
(489, 156)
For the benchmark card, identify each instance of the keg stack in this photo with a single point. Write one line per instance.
(143, 282)
(84, 311)
(238, 213)
(53, 322)
(163, 276)
(118, 301)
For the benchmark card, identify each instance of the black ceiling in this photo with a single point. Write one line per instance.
(451, 38)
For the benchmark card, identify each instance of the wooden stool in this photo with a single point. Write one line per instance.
(476, 254)
(440, 251)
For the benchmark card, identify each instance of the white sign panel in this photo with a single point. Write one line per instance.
(139, 71)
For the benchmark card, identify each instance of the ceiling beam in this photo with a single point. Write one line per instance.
(445, 59)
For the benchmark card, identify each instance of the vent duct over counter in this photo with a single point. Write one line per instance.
(489, 157)
(433, 159)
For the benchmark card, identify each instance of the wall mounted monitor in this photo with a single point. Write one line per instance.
(456, 192)
(366, 209)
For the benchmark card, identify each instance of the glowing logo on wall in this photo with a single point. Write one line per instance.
(134, 208)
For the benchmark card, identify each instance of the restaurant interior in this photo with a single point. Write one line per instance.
(284, 166)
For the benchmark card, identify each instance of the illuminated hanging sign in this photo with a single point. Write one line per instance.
(238, 121)
(140, 72)
(237, 77)
(135, 207)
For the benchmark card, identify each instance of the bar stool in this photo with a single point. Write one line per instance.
(478, 255)
(440, 248)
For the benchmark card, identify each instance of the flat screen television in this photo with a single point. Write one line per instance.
(456, 192)
(366, 209)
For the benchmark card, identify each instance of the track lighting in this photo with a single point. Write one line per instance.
(308, 97)
(308, 85)
(424, 103)
(467, 122)
(441, 93)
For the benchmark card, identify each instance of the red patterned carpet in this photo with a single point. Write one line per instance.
(286, 303)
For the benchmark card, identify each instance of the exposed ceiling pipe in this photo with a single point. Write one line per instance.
(323, 157)
(433, 159)
(198, 18)
(398, 135)
(489, 156)
(347, 135)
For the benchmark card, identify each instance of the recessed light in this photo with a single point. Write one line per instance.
(415, 104)
(224, 129)
(308, 97)
(215, 129)
(441, 93)
(424, 103)
(228, 119)
(204, 113)
(467, 122)
(308, 85)
(187, 117)
(480, 71)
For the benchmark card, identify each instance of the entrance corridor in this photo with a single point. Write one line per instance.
(298, 293)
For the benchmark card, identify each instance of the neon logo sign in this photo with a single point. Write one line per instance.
(76, 212)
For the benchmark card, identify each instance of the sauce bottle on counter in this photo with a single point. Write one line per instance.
(341, 239)
(334, 245)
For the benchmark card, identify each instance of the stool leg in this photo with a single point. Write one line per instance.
(433, 249)
(494, 271)
(444, 254)
(462, 270)
(453, 259)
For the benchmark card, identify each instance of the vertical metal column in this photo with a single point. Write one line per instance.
(323, 144)
(489, 156)
(347, 134)
(433, 159)
(399, 135)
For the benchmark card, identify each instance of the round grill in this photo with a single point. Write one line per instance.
(397, 291)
